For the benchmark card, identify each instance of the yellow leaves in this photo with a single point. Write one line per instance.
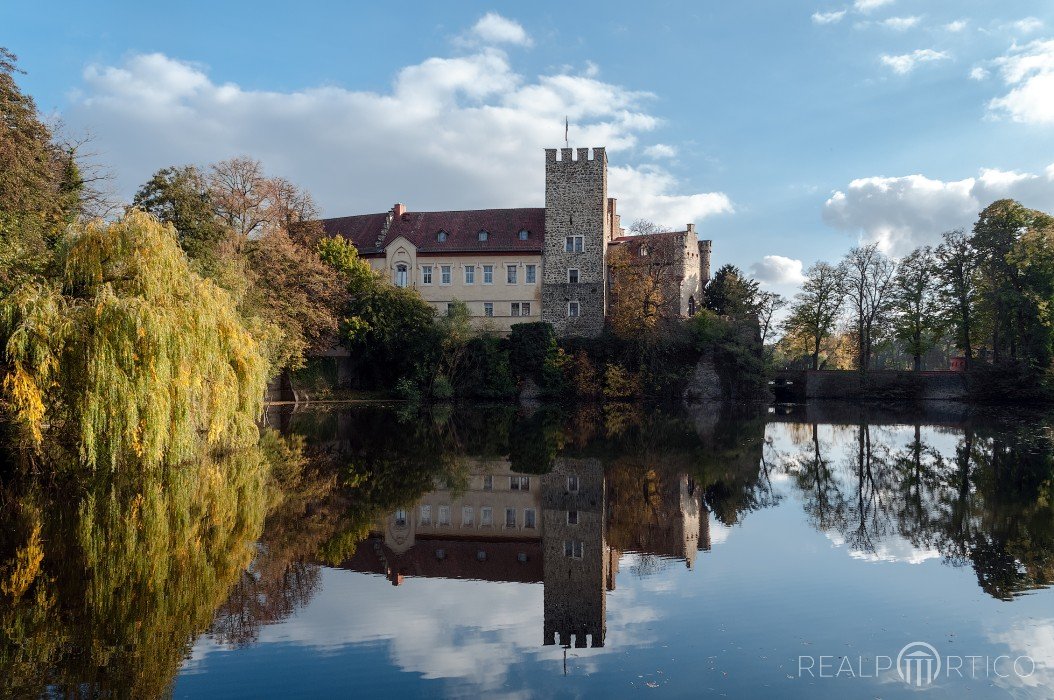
(139, 360)
(25, 395)
(25, 567)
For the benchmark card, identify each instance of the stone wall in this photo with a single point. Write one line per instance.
(885, 386)
(575, 586)
(576, 204)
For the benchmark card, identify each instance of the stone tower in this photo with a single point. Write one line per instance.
(574, 268)
(704, 261)
(577, 562)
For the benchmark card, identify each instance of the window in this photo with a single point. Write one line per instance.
(521, 308)
(488, 483)
(530, 274)
(441, 236)
(574, 244)
(426, 274)
(524, 234)
(510, 274)
(483, 235)
(644, 251)
(488, 274)
(401, 275)
(488, 309)
(572, 483)
(510, 517)
(572, 517)
(470, 274)
(466, 516)
(529, 518)
(520, 483)
(450, 308)
(486, 516)
(572, 275)
(444, 515)
(426, 515)
(400, 518)
(573, 548)
(444, 274)
(573, 309)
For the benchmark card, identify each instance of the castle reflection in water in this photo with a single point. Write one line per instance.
(564, 529)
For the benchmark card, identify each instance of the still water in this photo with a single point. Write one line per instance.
(789, 553)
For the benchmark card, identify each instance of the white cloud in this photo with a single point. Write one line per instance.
(1032, 638)
(660, 150)
(891, 548)
(905, 63)
(776, 269)
(900, 213)
(645, 193)
(956, 26)
(828, 17)
(1028, 25)
(866, 6)
(978, 73)
(901, 23)
(492, 28)
(451, 132)
(1029, 73)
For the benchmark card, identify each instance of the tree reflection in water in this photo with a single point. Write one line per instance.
(106, 582)
(987, 503)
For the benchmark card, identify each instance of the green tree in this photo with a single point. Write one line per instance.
(731, 293)
(1008, 311)
(915, 303)
(956, 267)
(390, 331)
(180, 196)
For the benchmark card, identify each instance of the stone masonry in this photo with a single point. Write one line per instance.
(577, 562)
(576, 204)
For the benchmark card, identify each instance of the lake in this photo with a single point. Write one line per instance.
(820, 552)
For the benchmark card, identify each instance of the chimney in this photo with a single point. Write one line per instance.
(398, 210)
(691, 229)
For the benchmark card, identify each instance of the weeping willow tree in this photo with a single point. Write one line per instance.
(128, 356)
(103, 593)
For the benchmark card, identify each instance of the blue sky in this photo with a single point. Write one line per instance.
(787, 131)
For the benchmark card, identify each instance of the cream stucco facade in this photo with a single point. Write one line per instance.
(500, 289)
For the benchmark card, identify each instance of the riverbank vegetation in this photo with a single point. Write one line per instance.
(983, 296)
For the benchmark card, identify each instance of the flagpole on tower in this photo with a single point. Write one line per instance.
(567, 125)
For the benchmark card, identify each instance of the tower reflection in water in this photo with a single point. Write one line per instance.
(565, 529)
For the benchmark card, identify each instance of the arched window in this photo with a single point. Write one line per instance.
(483, 235)
(524, 234)
(441, 236)
(401, 275)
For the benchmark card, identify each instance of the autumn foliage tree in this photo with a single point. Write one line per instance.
(646, 289)
(40, 183)
(255, 235)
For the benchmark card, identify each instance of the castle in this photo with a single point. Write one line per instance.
(551, 264)
(566, 529)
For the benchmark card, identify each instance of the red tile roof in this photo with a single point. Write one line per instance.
(459, 560)
(503, 227)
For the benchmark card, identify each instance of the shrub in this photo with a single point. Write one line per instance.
(530, 344)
